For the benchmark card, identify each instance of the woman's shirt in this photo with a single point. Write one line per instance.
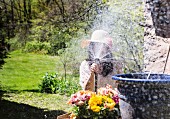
(87, 79)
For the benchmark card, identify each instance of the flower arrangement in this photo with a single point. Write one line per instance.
(91, 105)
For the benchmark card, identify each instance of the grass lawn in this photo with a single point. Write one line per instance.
(25, 71)
(19, 97)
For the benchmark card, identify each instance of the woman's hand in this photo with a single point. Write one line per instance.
(94, 68)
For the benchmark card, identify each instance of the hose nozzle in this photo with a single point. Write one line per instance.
(97, 61)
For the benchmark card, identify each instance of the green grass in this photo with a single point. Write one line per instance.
(20, 77)
(24, 71)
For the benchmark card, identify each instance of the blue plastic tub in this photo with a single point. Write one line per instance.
(147, 94)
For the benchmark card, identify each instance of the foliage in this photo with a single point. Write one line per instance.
(48, 83)
(3, 43)
(57, 36)
(72, 56)
(56, 84)
(37, 47)
(46, 20)
(0, 87)
(15, 16)
(89, 105)
(131, 35)
(3, 53)
(60, 22)
(67, 87)
(68, 59)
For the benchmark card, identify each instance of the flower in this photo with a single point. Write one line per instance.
(95, 102)
(80, 97)
(91, 105)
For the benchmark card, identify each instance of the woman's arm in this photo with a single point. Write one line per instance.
(87, 74)
(90, 83)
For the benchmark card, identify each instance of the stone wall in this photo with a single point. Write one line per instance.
(157, 36)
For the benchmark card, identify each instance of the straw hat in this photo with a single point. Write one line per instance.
(98, 36)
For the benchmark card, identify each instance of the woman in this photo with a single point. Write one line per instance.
(100, 65)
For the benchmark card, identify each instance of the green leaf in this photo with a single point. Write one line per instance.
(104, 1)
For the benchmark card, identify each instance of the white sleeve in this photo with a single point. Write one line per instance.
(84, 74)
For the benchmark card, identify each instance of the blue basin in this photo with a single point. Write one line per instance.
(147, 94)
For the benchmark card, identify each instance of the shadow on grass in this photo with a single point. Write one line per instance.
(33, 90)
(1, 93)
(13, 110)
(15, 91)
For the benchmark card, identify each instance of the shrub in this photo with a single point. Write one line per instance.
(37, 47)
(48, 83)
(68, 86)
(57, 84)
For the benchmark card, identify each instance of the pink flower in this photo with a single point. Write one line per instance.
(80, 97)
(116, 99)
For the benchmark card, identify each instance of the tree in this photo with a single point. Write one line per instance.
(3, 49)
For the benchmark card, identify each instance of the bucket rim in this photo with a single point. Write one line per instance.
(121, 77)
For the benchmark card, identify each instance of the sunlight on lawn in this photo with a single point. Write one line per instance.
(24, 71)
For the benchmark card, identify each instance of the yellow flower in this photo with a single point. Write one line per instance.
(110, 105)
(95, 108)
(109, 100)
(95, 100)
